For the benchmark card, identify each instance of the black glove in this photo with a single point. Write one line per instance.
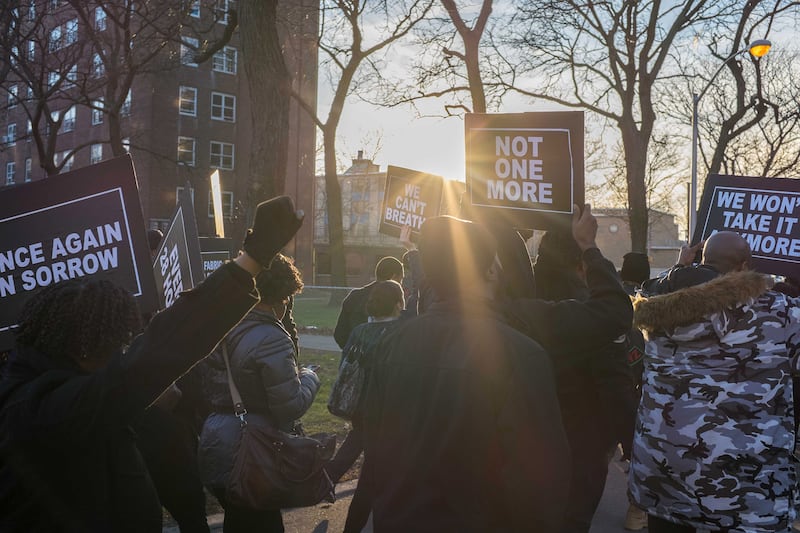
(275, 224)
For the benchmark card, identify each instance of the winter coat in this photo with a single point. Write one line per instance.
(68, 459)
(264, 368)
(353, 313)
(715, 431)
(462, 427)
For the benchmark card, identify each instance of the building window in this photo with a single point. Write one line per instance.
(125, 110)
(28, 164)
(221, 155)
(72, 76)
(227, 205)
(187, 104)
(186, 150)
(179, 191)
(52, 79)
(189, 46)
(28, 93)
(32, 10)
(96, 153)
(97, 111)
(99, 19)
(194, 9)
(225, 60)
(98, 68)
(55, 39)
(11, 170)
(13, 96)
(68, 160)
(221, 11)
(69, 120)
(223, 107)
(31, 50)
(71, 32)
(11, 134)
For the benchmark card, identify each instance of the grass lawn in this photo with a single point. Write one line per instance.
(311, 310)
(317, 418)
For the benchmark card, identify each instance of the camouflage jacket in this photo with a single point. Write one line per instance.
(715, 432)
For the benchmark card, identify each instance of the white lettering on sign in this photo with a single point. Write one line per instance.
(518, 168)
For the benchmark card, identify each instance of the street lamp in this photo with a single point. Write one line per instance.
(757, 49)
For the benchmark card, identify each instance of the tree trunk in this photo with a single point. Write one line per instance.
(635, 147)
(269, 85)
(472, 61)
(333, 192)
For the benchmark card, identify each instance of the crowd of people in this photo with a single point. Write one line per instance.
(497, 390)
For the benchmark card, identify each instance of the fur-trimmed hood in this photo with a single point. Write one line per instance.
(694, 304)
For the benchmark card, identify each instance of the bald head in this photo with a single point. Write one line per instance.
(726, 251)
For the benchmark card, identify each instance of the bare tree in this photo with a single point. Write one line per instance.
(41, 52)
(451, 59)
(607, 58)
(84, 53)
(353, 33)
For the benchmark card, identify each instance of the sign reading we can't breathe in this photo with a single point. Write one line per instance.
(86, 223)
(527, 167)
(765, 211)
(410, 198)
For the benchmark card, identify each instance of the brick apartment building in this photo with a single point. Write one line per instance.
(179, 123)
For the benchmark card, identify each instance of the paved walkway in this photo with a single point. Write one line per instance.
(318, 342)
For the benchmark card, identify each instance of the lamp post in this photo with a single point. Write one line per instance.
(757, 49)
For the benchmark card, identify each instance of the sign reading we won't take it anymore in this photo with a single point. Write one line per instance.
(526, 167)
(765, 211)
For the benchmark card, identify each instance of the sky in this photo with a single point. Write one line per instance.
(426, 143)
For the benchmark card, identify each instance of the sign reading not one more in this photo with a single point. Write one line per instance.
(86, 223)
(764, 211)
(526, 167)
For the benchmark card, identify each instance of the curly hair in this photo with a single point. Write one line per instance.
(279, 281)
(79, 319)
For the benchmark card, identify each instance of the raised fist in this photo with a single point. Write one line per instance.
(276, 222)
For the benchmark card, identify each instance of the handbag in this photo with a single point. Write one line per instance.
(348, 388)
(273, 469)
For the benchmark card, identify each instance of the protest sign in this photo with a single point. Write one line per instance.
(765, 211)
(86, 223)
(410, 197)
(215, 251)
(178, 265)
(525, 167)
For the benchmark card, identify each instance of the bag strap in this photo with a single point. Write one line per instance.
(238, 407)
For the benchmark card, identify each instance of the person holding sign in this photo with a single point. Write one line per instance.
(80, 375)
(715, 435)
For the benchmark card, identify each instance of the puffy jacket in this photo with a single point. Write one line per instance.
(715, 430)
(264, 368)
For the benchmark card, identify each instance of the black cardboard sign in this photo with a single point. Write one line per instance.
(410, 198)
(215, 251)
(78, 224)
(765, 211)
(525, 167)
(178, 265)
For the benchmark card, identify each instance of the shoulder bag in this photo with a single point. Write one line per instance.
(273, 469)
(350, 384)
